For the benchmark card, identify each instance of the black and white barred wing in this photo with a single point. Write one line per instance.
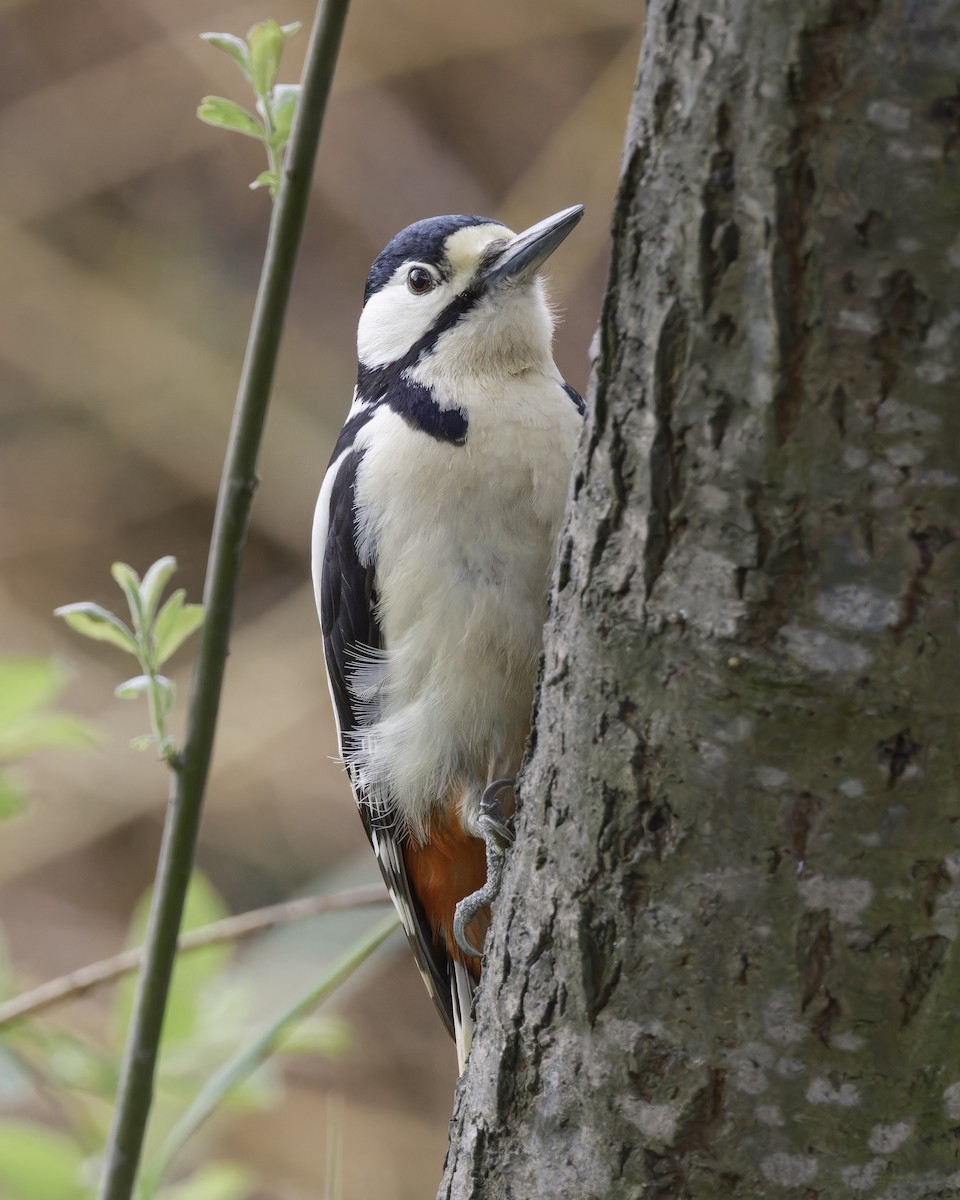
(346, 599)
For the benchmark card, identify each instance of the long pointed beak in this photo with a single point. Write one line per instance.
(523, 255)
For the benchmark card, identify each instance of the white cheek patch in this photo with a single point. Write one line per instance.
(393, 320)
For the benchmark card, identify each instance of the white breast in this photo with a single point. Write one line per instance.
(464, 539)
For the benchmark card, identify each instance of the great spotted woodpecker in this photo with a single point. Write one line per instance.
(433, 546)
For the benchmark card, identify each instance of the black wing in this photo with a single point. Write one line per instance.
(348, 620)
(575, 397)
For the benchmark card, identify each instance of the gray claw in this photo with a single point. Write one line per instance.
(498, 835)
(491, 819)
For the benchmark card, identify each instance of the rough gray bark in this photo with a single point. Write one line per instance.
(726, 961)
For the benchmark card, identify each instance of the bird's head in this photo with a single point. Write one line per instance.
(459, 293)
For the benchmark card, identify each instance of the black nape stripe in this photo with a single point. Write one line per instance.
(390, 384)
(414, 402)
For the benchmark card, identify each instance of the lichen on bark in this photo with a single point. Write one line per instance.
(725, 962)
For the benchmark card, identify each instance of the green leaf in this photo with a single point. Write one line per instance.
(193, 972)
(174, 624)
(155, 580)
(215, 110)
(266, 45)
(44, 731)
(94, 621)
(267, 179)
(283, 107)
(292, 28)
(142, 741)
(129, 582)
(233, 46)
(133, 689)
(125, 576)
(37, 1163)
(27, 684)
(213, 1181)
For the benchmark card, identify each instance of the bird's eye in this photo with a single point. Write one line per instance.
(419, 281)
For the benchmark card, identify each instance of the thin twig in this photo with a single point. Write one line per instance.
(231, 929)
(177, 850)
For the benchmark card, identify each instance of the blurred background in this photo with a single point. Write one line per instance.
(131, 248)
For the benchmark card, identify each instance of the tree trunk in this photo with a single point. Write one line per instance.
(726, 962)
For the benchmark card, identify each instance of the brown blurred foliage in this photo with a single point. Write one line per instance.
(131, 249)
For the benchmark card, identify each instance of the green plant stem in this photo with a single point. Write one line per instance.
(158, 721)
(249, 1057)
(237, 486)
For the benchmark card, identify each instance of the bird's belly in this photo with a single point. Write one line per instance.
(462, 642)
(464, 558)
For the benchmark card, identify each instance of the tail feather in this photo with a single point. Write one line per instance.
(461, 995)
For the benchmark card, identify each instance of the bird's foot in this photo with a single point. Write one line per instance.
(490, 818)
(497, 833)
